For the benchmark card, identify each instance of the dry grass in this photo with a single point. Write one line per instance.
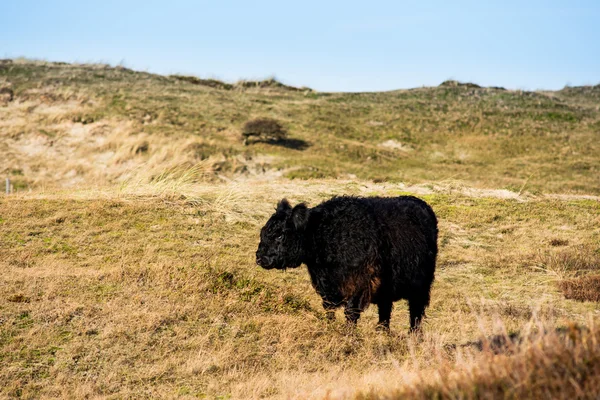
(127, 265)
(146, 292)
(72, 124)
(575, 269)
(573, 260)
(557, 366)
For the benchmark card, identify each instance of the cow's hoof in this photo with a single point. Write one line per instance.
(416, 333)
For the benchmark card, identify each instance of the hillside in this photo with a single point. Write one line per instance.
(77, 124)
(128, 266)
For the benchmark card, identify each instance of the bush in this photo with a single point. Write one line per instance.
(264, 129)
(6, 95)
(586, 288)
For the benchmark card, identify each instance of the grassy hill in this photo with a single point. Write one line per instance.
(72, 124)
(127, 266)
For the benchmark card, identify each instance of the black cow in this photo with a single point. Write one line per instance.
(358, 250)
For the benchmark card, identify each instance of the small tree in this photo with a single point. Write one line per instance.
(264, 129)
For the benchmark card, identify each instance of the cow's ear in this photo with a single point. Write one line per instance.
(300, 216)
(283, 206)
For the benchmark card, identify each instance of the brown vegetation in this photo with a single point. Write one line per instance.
(585, 288)
(128, 267)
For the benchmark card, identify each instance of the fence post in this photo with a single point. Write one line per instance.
(7, 185)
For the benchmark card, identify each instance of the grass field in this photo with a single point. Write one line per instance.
(128, 246)
(75, 124)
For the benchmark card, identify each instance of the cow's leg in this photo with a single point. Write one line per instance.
(417, 304)
(385, 313)
(355, 306)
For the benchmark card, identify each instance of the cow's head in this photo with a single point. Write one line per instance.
(282, 238)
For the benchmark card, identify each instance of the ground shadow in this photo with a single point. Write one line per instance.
(294, 144)
(499, 344)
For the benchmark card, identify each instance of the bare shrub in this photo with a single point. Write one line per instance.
(586, 288)
(264, 129)
(6, 95)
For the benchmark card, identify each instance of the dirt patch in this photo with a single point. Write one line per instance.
(393, 144)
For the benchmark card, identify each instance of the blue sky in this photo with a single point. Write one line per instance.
(327, 45)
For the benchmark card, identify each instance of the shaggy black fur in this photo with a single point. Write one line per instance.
(358, 251)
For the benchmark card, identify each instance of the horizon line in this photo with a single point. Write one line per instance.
(122, 64)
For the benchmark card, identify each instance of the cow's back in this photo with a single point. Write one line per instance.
(344, 231)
